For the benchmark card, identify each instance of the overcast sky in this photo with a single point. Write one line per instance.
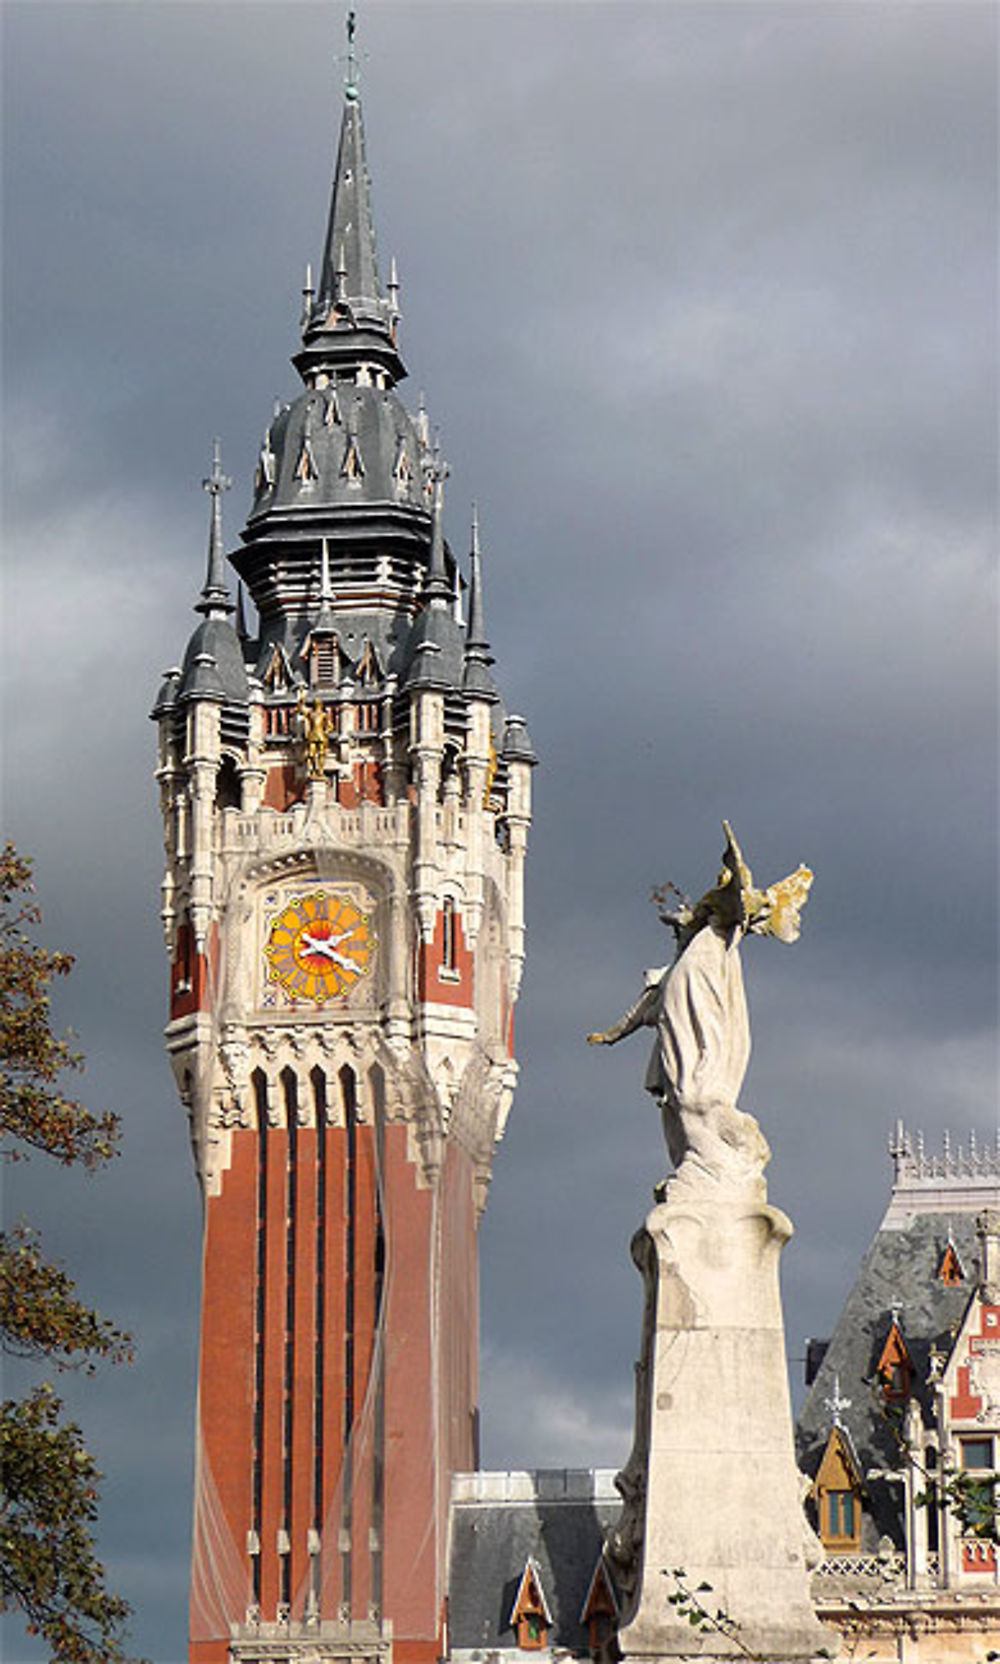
(703, 299)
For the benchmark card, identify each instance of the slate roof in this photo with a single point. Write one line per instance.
(213, 665)
(380, 427)
(899, 1274)
(558, 1517)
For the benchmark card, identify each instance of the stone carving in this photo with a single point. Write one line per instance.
(697, 1006)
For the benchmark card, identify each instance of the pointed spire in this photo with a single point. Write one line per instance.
(215, 602)
(350, 237)
(476, 636)
(477, 679)
(350, 320)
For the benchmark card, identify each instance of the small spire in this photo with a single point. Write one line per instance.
(392, 287)
(242, 632)
(477, 678)
(437, 573)
(308, 295)
(477, 644)
(215, 602)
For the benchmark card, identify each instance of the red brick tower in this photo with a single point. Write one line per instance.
(345, 810)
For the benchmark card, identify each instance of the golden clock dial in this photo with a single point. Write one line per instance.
(319, 946)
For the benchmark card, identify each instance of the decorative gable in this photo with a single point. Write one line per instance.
(402, 468)
(277, 672)
(368, 669)
(352, 467)
(331, 407)
(972, 1374)
(305, 468)
(530, 1618)
(266, 467)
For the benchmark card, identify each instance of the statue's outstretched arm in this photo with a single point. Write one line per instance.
(641, 1015)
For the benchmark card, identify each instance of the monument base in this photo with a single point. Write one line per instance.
(711, 1548)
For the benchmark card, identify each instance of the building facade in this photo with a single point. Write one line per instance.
(899, 1436)
(345, 809)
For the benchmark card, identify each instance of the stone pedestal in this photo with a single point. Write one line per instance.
(711, 1490)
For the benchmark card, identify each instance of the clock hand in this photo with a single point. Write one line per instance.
(316, 944)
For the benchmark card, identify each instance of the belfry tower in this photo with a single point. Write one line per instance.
(345, 809)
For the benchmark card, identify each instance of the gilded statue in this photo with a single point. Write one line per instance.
(317, 726)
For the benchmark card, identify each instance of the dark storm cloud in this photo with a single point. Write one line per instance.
(703, 298)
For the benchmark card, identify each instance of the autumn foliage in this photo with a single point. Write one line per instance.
(49, 1570)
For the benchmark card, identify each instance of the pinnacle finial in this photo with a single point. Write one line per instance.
(477, 679)
(437, 575)
(351, 57)
(476, 643)
(215, 602)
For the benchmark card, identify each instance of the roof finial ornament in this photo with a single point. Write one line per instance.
(477, 679)
(215, 602)
(835, 1404)
(350, 57)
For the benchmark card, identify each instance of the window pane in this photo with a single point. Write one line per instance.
(977, 1453)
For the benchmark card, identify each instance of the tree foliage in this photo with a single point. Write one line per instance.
(49, 1569)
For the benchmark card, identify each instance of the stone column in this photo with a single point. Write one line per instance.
(711, 1489)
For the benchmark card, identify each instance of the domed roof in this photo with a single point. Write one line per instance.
(339, 446)
(213, 664)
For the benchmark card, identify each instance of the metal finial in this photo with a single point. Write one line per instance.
(836, 1403)
(350, 56)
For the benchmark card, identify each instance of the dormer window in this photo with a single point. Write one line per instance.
(950, 1269)
(324, 661)
(836, 1492)
(895, 1367)
(600, 1614)
(530, 1617)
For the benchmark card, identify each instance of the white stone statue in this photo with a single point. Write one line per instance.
(698, 1008)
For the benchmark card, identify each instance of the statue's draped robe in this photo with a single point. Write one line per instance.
(700, 1058)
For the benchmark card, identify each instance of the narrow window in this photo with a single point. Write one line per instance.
(448, 934)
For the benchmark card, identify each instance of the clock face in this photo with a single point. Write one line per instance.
(319, 946)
